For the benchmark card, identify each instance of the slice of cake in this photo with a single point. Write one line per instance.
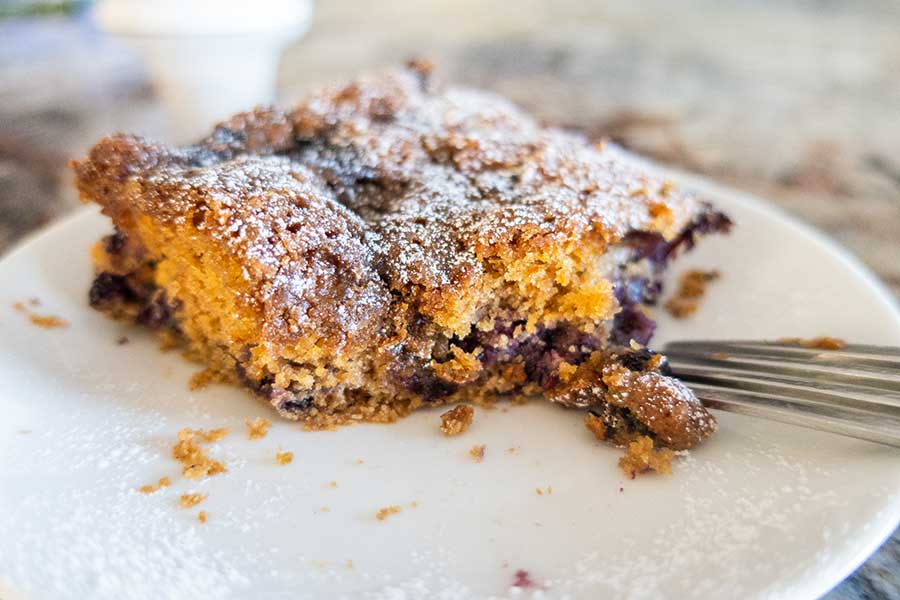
(393, 243)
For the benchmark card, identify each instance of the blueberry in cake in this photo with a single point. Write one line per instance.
(392, 243)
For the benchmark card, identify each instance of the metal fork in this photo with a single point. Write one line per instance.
(852, 391)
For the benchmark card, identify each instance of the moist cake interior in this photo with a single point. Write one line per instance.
(394, 242)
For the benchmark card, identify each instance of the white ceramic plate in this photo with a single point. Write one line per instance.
(761, 510)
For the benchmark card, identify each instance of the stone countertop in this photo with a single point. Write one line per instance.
(798, 102)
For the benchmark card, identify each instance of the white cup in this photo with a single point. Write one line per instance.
(208, 58)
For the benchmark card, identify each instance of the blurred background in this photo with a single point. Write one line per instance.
(796, 101)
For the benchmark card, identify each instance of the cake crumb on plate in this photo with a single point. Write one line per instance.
(153, 487)
(457, 420)
(196, 462)
(258, 427)
(201, 379)
(640, 456)
(387, 511)
(477, 452)
(691, 289)
(191, 500)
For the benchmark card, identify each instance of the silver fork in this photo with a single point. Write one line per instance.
(853, 391)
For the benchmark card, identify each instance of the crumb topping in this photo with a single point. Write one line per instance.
(691, 289)
(153, 487)
(258, 427)
(641, 456)
(387, 511)
(477, 452)
(457, 420)
(284, 458)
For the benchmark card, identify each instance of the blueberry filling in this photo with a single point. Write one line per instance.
(109, 290)
(655, 248)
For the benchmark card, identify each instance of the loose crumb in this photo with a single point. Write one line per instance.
(641, 456)
(457, 420)
(122, 340)
(153, 487)
(191, 500)
(666, 188)
(258, 427)
(477, 452)
(360, 461)
(691, 288)
(387, 511)
(595, 425)
(284, 458)
(195, 461)
(349, 564)
(539, 491)
(201, 379)
(413, 504)
(523, 579)
(512, 449)
(48, 321)
(324, 509)
(819, 343)
(206, 435)
(45, 321)
(332, 484)
(202, 516)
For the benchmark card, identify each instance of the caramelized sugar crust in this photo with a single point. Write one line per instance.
(386, 243)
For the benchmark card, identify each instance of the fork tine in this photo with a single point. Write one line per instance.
(866, 426)
(796, 389)
(853, 391)
(881, 381)
(856, 355)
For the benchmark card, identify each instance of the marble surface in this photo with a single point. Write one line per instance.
(796, 101)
